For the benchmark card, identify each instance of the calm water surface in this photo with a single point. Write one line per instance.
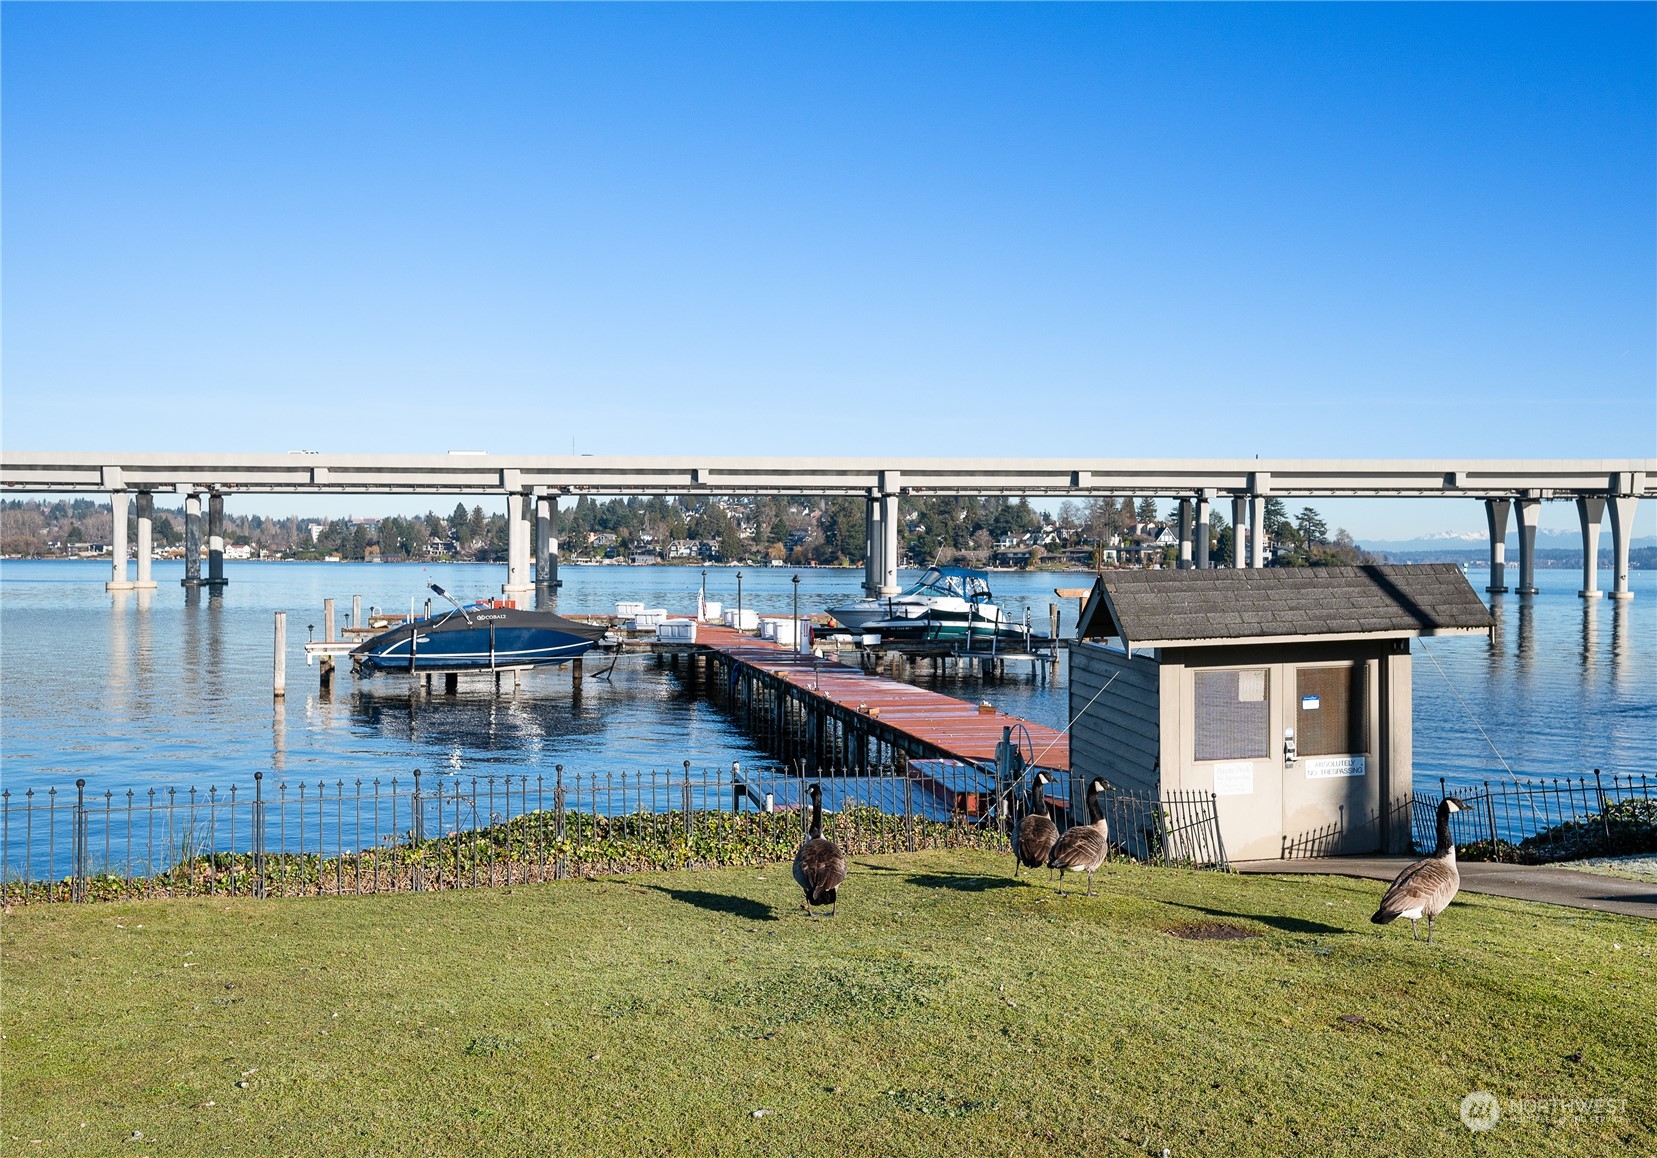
(143, 689)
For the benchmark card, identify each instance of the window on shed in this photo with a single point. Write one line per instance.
(1233, 714)
(1329, 719)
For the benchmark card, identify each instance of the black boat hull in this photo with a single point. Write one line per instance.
(482, 639)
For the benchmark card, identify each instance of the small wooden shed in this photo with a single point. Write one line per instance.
(1284, 691)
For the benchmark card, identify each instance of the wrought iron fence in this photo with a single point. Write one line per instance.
(1536, 821)
(1352, 831)
(1179, 827)
(444, 832)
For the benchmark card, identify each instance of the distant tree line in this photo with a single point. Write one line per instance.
(796, 530)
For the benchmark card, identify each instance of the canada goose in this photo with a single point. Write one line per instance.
(1426, 888)
(1036, 832)
(1084, 847)
(819, 865)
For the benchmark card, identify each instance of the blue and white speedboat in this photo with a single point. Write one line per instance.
(482, 636)
(942, 595)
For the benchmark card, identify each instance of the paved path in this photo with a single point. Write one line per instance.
(1554, 886)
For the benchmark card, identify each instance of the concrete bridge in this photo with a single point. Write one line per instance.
(532, 486)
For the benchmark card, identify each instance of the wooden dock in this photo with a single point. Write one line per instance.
(834, 716)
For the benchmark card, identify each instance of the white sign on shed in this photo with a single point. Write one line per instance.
(1234, 778)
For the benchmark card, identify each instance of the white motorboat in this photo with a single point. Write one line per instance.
(942, 594)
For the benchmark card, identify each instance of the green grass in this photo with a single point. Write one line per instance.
(945, 1010)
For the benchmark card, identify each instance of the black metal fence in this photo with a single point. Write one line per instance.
(1181, 827)
(1537, 821)
(427, 832)
(430, 831)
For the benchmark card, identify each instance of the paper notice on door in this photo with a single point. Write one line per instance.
(1234, 778)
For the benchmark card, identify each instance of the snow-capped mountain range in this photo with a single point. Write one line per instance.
(1546, 538)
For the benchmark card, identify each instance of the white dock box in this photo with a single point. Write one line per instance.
(778, 630)
(712, 611)
(676, 631)
(628, 610)
(649, 619)
(748, 620)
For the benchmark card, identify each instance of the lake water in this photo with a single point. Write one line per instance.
(142, 689)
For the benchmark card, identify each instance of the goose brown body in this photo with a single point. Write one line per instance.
(1085, 847)
(1037, 833)
(1426, 888)
(819, 865)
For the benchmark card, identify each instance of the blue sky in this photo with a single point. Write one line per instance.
(1391, 231)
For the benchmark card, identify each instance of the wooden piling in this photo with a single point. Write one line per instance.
(356, 611)
(451, 683)
(575, 671)
(279, 660)
(328, 620)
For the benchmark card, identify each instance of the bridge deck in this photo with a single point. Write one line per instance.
(954, 728)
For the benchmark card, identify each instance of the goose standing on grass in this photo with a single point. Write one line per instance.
(1426, 888)
(819, 865)
(1036, 832)
(1084, 847)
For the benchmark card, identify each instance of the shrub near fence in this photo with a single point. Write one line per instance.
(321, 839)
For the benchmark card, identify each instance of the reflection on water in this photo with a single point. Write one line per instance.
(1622, 648)
(1590, 635)
(1524, 649)
(173, 686)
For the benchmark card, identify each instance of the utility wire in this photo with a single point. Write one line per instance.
(1425, 650)
(1077, 716)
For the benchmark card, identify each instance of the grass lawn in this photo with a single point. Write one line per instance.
(946, 1010)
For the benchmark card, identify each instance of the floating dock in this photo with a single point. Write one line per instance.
(834, 717)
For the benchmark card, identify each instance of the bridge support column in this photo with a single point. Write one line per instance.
(146, 540)
(1239, 530)
(873, 540)
(889, 520)
(546, 543)
(1495, 514)
(215, 541)
(1200, 561)
(1529, 509)
(1185, 534)
(192, 540)
(1622, 529)
(517, 587)
(118, 581)
(1590, 509)
(1257, 530)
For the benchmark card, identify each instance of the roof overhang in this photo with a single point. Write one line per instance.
(1099, 620)
(1332, 637)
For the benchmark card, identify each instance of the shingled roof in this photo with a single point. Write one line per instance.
(1256, 605)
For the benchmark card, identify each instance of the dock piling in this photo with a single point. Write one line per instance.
(279, 660)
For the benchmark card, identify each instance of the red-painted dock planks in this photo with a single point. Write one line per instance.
(954, 727)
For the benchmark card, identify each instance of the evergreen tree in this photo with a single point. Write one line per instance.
(1313, 530)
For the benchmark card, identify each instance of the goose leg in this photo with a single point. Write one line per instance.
(1090, 884)
(1429, 928)
(1415, 934)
